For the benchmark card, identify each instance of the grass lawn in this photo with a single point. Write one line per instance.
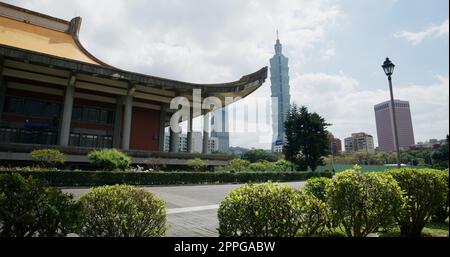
(431, 230)
(436, 230)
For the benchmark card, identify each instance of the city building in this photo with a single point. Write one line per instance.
(220, 129)
(278, 148)
(236, 150)
(55, 94)
(213, 143)
(385, 127)
(430, 144)
(359, 142)
(335, 144)
(279, 78)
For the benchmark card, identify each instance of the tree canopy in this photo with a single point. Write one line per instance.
(259, 155)
(306, 138)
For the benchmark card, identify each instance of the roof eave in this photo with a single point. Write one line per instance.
(131, 77)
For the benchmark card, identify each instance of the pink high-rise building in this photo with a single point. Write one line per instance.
(385, 127)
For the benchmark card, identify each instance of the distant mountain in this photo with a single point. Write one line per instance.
(236, 150)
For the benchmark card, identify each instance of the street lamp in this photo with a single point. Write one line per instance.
(388, 68)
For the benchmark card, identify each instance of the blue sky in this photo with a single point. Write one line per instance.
(335, 49)
(365, 36)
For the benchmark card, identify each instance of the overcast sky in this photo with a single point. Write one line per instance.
(335, 49)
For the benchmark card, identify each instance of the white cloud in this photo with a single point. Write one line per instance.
(327, 53)
(198, 41)
(431, 32)
(219, 41)
(350, 109)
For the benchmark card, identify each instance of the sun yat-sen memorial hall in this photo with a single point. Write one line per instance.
(55, 94)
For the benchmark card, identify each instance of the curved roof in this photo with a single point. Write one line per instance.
(42, 40)
(39, 38)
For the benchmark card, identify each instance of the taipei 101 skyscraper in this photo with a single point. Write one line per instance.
(279, 77)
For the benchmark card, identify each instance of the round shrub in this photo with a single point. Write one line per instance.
(48, 157)
(109, 159)
(362, 203)
(238, 164)
(317, 187)
(270, 210)
(122, 211)
(258, 166)
(197, 164)
(283, 166)
(441, 212)
(425, 191)
(29, 208)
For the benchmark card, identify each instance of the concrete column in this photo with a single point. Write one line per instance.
(64, 131)
(2, 93)
(127, 122)
(174, 141)
(205, 131)
(162, 126)
(190, 128)
(118, 122)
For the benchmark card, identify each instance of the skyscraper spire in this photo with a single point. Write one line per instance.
(279, 71)
(278, 45)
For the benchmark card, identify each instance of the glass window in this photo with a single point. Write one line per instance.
(74, 139)
(17, 105)
(103, 116)
(77, 112)
(89, 141)
(111, 115)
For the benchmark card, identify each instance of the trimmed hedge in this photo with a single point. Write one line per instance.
(29, 208)
(122, 211)
(109, 159)
(425, 191)
(364, 203)
(98, 178)
(270, 210)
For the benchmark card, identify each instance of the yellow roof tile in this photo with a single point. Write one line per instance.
(42, 40)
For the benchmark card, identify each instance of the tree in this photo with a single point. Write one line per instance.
(197, 164)
(259, 155)
(306, 138)
(238, 164)
(440, 157)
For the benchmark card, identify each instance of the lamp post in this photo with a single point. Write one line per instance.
(388, 68)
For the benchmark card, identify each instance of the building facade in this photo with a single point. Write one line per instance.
(213, 143)
(385, 127)
(430, 144)
(220, 129)
(279, 78)
(359, 142)
(55, 94)
(335, 144)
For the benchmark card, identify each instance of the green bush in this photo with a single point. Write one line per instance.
(197, 164)
(259, 166)
(100, 178)
(317, 187)
(270, 210)
(109, 159)
(425, 191)
(238, 164)
(122, 211)
(363, 203)
(441, 212)
(48, 157)
(283, 166)
(29, 208)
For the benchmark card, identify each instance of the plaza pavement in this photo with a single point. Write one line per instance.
(191, 210)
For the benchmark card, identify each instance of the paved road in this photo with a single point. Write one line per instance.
(192, 210)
